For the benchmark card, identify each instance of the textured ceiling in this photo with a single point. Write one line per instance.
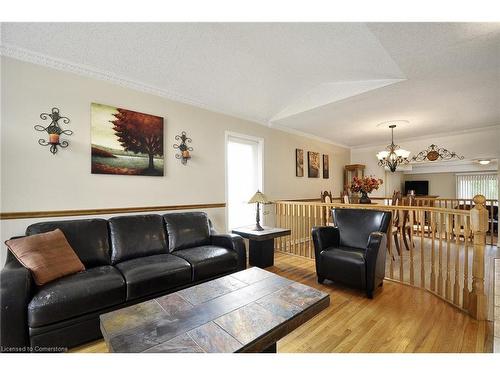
(336, 81)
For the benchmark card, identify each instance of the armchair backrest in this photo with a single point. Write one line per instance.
(355, 225)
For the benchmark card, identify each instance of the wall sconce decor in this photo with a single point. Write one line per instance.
(54, 130)
(433, 153)
(183, 147)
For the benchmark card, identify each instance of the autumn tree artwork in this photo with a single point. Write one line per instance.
(126, 142)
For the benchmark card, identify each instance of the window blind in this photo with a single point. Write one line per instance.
(469, 185)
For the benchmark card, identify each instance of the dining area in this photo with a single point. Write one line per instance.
(430, 244)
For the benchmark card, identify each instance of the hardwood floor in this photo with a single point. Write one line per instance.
(399, 319)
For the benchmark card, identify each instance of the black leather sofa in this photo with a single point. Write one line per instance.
(128, 259)
(353, 251)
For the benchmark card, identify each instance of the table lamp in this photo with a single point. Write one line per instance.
(259, 198)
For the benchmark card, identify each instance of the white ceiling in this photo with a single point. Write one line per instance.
(336, 81)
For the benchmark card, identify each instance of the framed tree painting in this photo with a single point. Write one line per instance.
(299, 162)
(326, 167)
(313, 164)
(126, 142)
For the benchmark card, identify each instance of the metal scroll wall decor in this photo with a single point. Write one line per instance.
(433, 153)
(53, 130)
(183, 147)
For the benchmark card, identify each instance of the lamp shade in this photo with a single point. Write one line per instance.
(402, 153)
(258, 197)
(382, 155)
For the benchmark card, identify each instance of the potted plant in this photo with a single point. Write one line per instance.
(365, 186)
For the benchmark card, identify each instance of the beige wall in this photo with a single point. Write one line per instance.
(32, 179)
(477, 144)
(442, 184)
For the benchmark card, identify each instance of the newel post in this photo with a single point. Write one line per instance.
(479, 224)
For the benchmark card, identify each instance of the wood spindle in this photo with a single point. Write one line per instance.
(456, 283)
(490, 218)
(292, 227)
(309, 229)
(295, 225)
(389, 246)
(465, 292)
(289, 225)
(479, 224)
(422, 252)
(440, 254)
(410, 243)
(301, 230)
(304, 231)
(402, 223)
(433, 250)
(277, 243)
(448, 256)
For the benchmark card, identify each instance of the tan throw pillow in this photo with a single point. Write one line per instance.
(47, 255)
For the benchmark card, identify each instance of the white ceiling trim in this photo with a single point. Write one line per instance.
(424, 137)
(94, 73)
(331, 92)
(307, 135)
(454, 167)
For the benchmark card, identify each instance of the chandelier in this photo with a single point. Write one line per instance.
(433, 153)
(393, 155)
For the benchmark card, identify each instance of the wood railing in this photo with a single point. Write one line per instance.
(446, 247)
(491, 206)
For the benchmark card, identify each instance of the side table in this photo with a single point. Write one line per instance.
(261, 251)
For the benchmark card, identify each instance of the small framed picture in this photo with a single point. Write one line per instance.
(299, 162)
(326, 167)
(313, 164)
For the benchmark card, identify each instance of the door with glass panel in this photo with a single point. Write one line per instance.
(243, 178)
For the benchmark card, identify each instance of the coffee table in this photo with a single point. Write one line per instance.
(247, 311)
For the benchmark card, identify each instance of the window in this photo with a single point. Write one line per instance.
(243, 178)
(469, 185)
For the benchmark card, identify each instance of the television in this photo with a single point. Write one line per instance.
(420, 187)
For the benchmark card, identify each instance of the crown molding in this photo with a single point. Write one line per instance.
(430, 136)
(102, 75)
(307, 135)
(36, 58)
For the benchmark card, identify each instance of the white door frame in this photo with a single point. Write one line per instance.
(260, 162)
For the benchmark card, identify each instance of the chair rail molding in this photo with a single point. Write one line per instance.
(104, 211)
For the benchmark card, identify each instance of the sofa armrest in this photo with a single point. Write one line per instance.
(15, 293)
(232, 242)
(325, 237)
(375, 259)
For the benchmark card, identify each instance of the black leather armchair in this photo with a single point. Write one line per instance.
(353, 252)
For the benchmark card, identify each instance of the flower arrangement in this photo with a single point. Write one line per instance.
(365, 184)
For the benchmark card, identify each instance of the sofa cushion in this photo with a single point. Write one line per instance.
(208, 261)
(136, 236)
(88, 238)
(47, 255)
(344, 264)
(153, 274)
(187, 229)
(71, 296)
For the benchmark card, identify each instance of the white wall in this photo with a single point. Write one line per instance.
(442, 184)
(32, 179)
(482, 143)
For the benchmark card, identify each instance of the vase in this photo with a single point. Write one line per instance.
(364, 198)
